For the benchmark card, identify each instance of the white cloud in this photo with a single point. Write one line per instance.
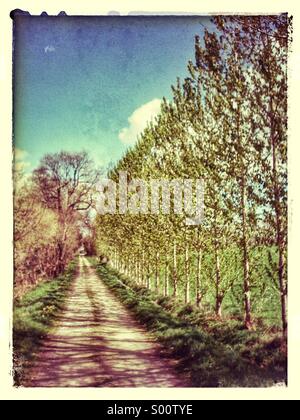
(22, 166)
(20, 154)
(21, 162)
(138, 121)
(49, 49)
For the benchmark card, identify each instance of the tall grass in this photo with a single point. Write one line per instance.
(33, 318)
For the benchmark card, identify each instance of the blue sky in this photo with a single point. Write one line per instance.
(92, 82)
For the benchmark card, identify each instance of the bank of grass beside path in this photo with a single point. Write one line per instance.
(210, 352)
(33, 318)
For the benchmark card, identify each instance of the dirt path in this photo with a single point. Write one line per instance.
(97, 343)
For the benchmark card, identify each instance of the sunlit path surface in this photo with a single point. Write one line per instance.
(97, 343)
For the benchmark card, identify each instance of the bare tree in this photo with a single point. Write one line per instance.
(66, 181)
(66, 184)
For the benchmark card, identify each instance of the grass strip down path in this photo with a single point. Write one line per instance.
(211, 353)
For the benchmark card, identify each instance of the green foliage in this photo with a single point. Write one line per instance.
(226, 124)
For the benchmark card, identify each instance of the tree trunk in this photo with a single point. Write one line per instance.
(283, 293)
(115, 259)
(136, 274)
(142, 268)
(127, 265)
(218, 308)
(198, 278)
(148, 280)
(281, 250)
(247, 291)
(148, 284)
(175, 277)
(187, 275)
(166, 289)
(157, 285)
(61, 258)
(280, 236)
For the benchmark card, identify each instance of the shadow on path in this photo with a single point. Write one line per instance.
(97, 343)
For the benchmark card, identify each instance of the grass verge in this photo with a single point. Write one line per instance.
(33, 318)
(210, 352)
